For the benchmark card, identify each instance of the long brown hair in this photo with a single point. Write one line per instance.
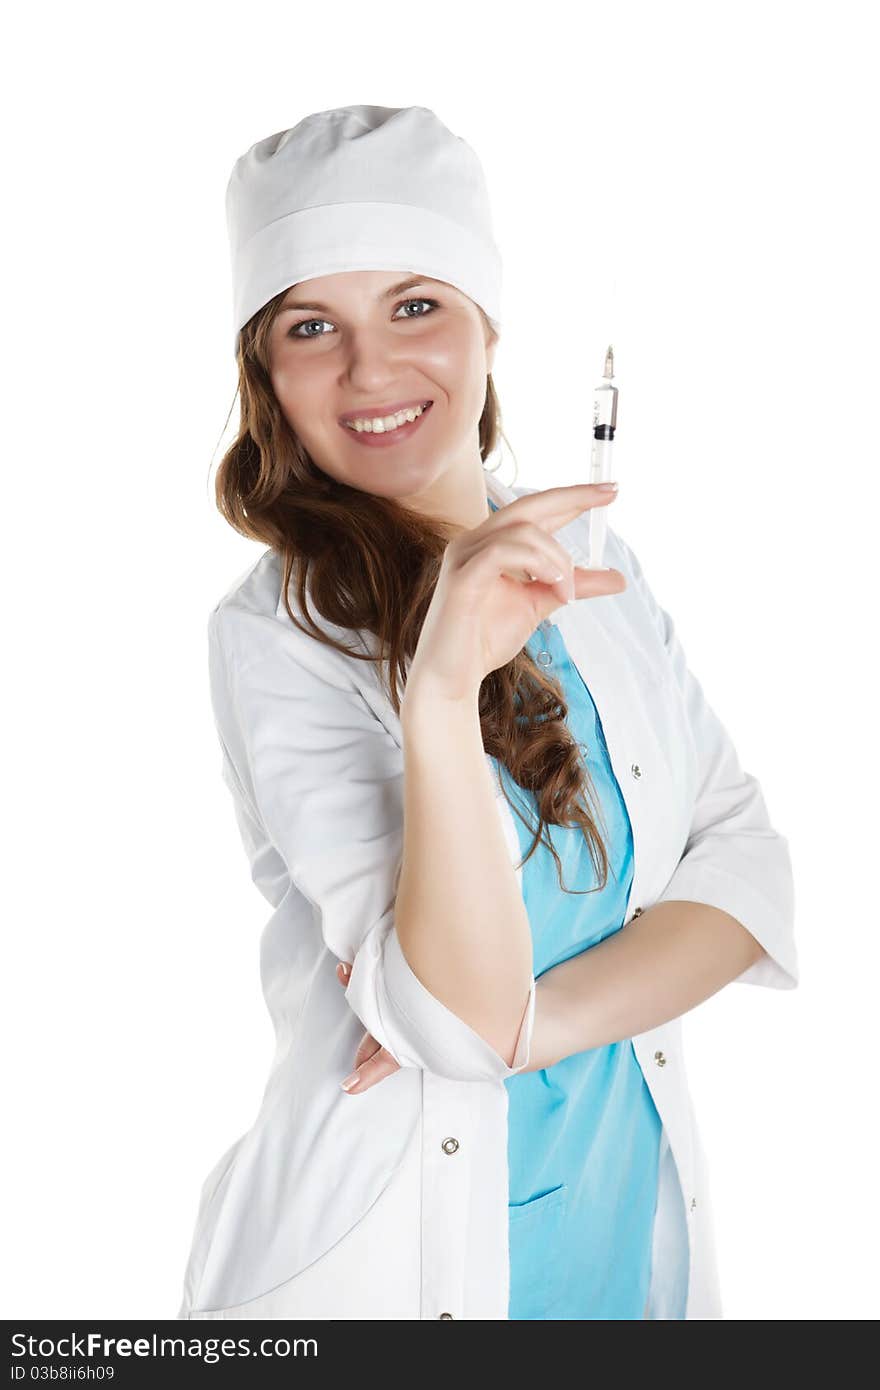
(372, 564)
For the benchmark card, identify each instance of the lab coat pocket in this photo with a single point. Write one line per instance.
(536, 1230)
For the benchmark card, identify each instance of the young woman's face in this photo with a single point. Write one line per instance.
(359, 344)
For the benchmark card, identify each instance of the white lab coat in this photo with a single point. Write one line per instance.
(393, 1204)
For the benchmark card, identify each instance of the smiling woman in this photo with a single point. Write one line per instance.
(387, 702)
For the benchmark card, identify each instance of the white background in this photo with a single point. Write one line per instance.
(695, 184)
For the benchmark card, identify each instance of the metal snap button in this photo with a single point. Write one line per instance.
(638, 912)
(447, 1315)
(545, 659)
(660, 1059)
(449, 1146)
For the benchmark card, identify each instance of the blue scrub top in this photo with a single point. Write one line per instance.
(583, 1135)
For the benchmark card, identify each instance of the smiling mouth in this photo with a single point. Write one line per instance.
(387, 424)
(385, 438)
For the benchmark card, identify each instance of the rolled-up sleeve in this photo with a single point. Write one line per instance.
(319, 772)
(734, 858)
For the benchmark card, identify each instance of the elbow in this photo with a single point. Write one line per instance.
(515, 1055)
(754, 950)
(418, 1029)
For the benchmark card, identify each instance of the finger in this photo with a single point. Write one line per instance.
(555, 505)
(367, 1048)
(516, 553)
(517, 558)
(589, 583)
(586, 583)
(557, 564)
(343, 972)
(365, 1076)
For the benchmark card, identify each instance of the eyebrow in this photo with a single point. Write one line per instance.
(388, 294)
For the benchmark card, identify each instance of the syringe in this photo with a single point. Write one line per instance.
(604, 426)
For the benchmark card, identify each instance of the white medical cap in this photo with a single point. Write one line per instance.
(360, 188)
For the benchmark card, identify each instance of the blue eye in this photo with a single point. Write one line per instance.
(433, 303)
(306, 323)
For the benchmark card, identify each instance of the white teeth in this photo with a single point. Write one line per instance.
(384, 424)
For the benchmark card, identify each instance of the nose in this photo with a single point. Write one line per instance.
(374, 358)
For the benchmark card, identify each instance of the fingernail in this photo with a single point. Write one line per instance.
(350, 1081)
(607, 487)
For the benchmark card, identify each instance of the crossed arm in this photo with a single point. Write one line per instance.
(659, 966)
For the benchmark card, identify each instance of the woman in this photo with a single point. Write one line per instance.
(524, 842)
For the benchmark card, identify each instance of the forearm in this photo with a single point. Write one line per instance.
(657, 967)
(459, 912)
